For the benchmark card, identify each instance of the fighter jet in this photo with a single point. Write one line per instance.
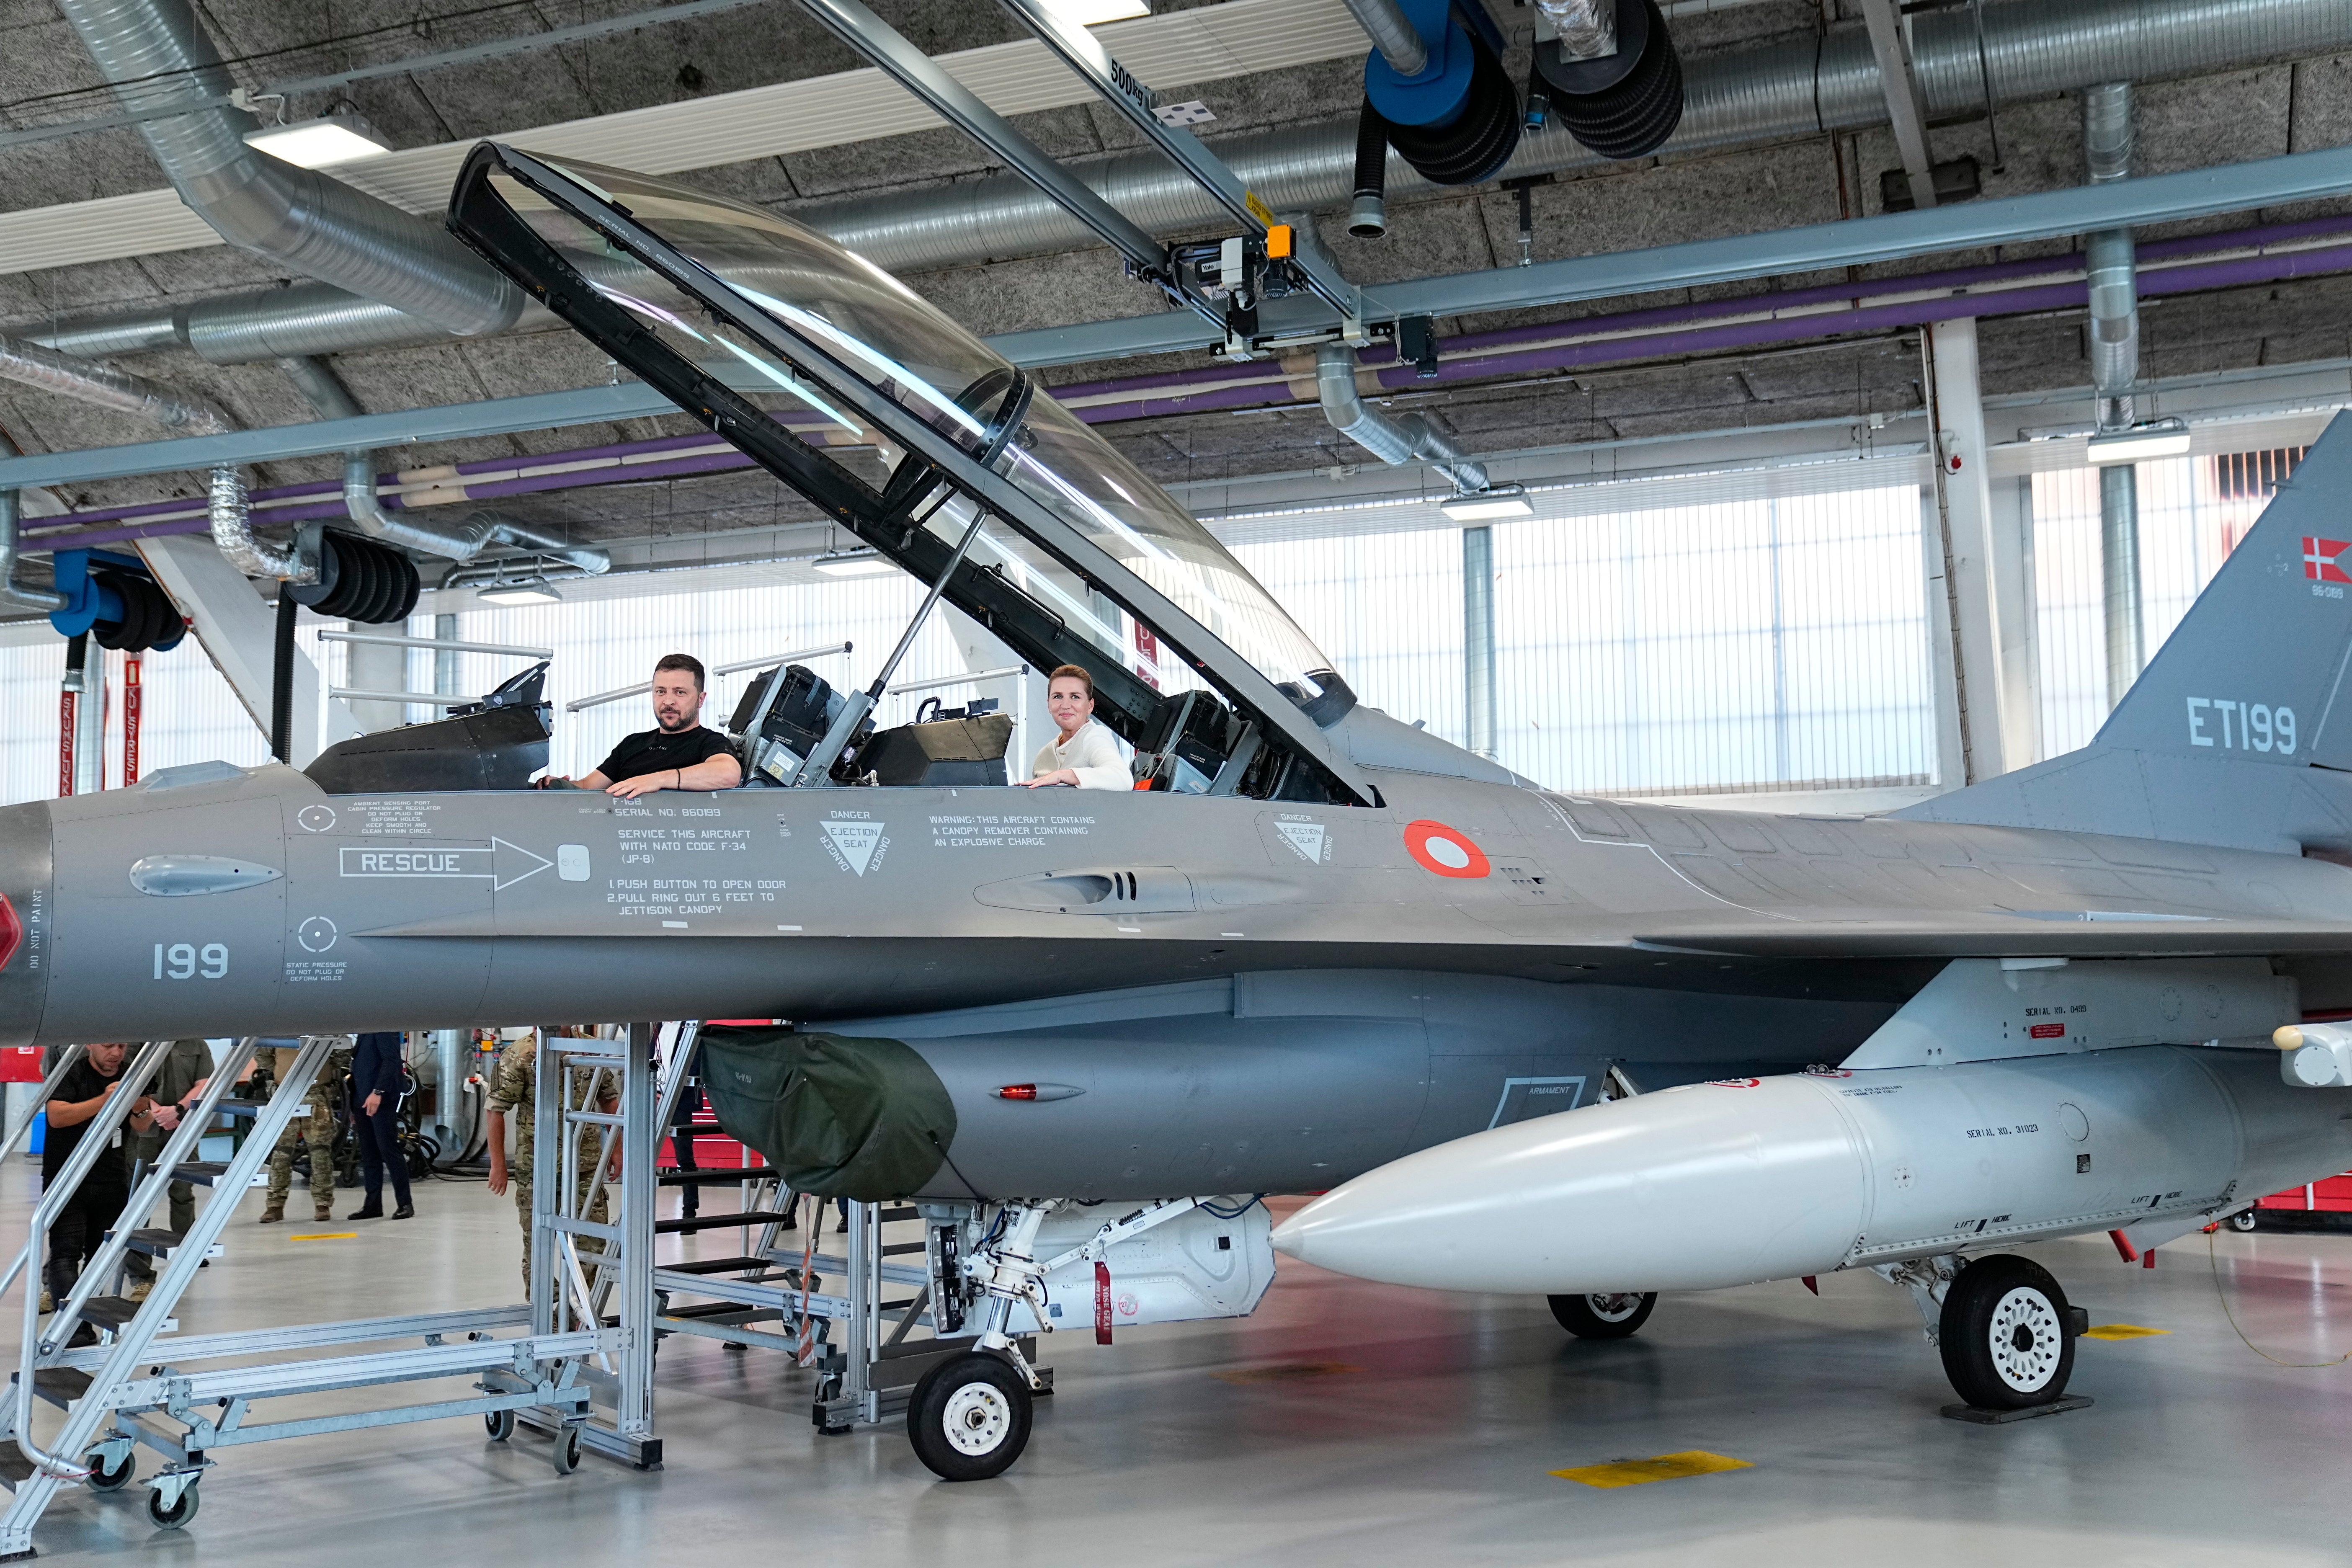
(1310, 941)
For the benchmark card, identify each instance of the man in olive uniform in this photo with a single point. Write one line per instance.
(179, 1080)
(514, 1086)
(314, 1124)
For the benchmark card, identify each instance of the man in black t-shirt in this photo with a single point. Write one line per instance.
(679, 753)
(98, 1202)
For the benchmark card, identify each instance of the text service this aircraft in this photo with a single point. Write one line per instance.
(1324, 941)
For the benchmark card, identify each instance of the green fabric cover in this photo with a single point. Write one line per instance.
(865, 1119)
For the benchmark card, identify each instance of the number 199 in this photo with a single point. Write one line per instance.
(181, 961)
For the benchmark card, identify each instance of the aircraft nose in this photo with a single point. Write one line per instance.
(25, 897)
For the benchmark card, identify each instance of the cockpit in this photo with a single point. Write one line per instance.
(913, 434)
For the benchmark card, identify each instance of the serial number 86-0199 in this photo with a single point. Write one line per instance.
(185, 961)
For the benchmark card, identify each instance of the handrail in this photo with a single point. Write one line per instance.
(904, 687)
(96, 1135)
(71, 1055)
(642, 687)
(375, 639)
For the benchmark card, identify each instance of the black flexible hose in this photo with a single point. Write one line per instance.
(281, 680)
(1482, 136)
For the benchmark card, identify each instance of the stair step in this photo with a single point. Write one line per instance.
(109, 1312)
(714, 1265)
(716, 1221)
(723, 1310)
(234, 1107)
(155, 1241)
(705, 1178)
(199, 1172)
(14, 1468)
(890, 1217)
(899, 1249)
(60, 1385)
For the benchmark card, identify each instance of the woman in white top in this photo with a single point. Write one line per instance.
(1084, 753)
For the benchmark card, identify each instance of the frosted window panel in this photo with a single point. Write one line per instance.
(1386, 609)
(2192, 512)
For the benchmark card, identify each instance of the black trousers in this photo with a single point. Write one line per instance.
(379, 1138)
(80, 1226)
(681, 1145)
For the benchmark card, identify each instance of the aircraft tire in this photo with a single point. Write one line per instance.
(1602, 1316)
(2003, 1334)
(2243, 1221)
(969, 1419)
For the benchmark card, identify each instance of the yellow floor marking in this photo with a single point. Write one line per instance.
(326, 1236)
(1664, 1468)
(1294, 1372)
(2121, 1332)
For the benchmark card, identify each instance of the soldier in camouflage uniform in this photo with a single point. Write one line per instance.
(514, 1085)
(313, 1125)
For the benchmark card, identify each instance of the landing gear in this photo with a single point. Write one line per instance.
(969, 1419)
(1605, 1316)
(2005, 1335)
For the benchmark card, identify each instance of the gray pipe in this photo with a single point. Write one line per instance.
(2033, 48)
(153, 51)
(2111, 258)
(1400, 43)
(84, 381)
(461, 542)
(11, 590)
(1390, 439)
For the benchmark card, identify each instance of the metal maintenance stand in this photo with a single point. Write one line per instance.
(608, 1293)
(137, 1386)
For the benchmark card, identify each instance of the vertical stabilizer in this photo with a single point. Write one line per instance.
(2238, 730)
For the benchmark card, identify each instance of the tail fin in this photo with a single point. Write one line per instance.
(2235, 731)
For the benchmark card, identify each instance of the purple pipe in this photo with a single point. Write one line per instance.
(1271, 388)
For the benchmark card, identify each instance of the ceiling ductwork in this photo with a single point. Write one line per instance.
(1774, 94)
(84, 381)
(1392, 439)
(483, 530)
(152, 52)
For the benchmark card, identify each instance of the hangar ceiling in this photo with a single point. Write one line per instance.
(2284, 104)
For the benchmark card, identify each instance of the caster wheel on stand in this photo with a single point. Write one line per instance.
(567, 1451)
(1603, 1317)
(2003, 1334)
(102, 1480)
(499, 1424)
(2242, 1223)
(969, 1419)
(175, 1516)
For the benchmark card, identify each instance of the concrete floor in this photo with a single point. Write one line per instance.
(1396, 1425)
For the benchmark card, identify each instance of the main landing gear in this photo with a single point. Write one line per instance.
(1605, 1316)
(2001, 1324)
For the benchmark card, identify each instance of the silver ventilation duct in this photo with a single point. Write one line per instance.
(1385, 437)
(2033, 48)
(1400, 43)
(12, 592)
(231, 515)
(84, 381)
(153, 52)
(2111, 258)
(480, 531)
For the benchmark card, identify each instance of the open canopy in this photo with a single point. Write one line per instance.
(904, 427)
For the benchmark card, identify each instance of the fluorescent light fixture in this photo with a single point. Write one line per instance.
(521, 593)
(1496, 500)
(318, 143)
(1093, 13)
(866, 563)
(2140, 443)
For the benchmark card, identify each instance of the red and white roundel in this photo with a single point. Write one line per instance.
(1445, 850)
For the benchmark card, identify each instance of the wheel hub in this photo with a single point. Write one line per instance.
(977, 1418)
(2026, 1338)
(1615, 1308)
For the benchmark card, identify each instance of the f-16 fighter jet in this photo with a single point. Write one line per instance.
(1310, 941)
